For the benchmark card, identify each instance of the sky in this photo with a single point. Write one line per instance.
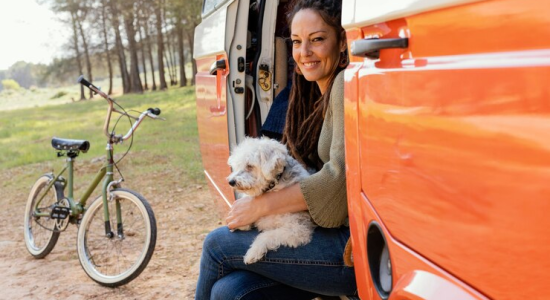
(29, 32)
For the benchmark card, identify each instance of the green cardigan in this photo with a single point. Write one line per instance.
(325, 191)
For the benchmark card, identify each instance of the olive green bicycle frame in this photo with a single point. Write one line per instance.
(78, 207)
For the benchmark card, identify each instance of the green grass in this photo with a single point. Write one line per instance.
(25, 134)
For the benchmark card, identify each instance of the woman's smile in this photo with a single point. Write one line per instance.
(311, 65)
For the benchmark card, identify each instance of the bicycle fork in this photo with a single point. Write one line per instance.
(109, 183)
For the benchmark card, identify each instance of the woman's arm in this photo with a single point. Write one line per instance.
(248, 210)
(325, 191)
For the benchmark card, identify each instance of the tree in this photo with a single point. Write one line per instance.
(142, 46)
(22, 73)
(59, 71)
(160, 43)
(191, 19)
(106, 44)
(128, 13)
(115, 22)
(126, 29)
(146, 11)
(78, 19)
(77, 51)
(181, 54)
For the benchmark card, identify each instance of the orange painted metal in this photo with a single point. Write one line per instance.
(213, 130)
(448, 147)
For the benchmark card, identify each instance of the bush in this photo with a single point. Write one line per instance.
(58, 95)
(10, 84)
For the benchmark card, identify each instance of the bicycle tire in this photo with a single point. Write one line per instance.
(101, 256)
(41, 234)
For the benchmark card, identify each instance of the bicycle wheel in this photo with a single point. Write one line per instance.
(117, 260)
(40, 232)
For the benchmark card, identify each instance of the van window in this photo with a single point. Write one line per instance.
(209, 5)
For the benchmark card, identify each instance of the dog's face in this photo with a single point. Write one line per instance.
(256, 163)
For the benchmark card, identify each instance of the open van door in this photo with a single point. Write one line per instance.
(235, 85)
(211, 55)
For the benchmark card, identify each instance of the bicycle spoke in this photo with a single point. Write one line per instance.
(40, 232)
(118, 259)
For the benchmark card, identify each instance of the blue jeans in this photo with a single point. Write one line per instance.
(288, 273)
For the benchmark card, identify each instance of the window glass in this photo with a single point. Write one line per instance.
(209, 5)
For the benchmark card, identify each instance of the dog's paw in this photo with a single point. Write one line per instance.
(250, 260)
(253, 255)
(245, 228)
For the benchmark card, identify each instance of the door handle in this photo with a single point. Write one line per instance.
(371, 47)
(217, 65)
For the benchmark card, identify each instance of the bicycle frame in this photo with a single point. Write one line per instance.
(78, 207)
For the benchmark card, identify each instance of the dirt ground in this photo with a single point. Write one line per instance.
(185, 213)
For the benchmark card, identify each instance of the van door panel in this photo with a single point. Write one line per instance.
(455, 142)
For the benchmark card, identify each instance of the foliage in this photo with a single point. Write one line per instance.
(125, 20)
(59, 72)
(58, 95)
(3, 75)
(26, 74)
(10, 85)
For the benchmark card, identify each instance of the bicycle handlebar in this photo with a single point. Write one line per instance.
(86, 83)
(150, 112)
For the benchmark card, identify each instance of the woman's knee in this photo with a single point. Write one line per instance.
(241, 285)
(232, 244)
(215, 237)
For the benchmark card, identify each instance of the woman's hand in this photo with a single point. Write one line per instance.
(248, 210)
(245, 211)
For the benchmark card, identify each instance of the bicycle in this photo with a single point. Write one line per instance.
(111, 259)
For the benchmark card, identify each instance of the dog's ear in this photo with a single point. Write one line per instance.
(273, 161)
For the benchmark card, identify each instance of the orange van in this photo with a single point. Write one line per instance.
(447, 124)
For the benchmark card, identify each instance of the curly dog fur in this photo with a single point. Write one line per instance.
(262, 166)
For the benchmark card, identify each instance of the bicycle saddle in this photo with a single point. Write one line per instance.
(66, 144)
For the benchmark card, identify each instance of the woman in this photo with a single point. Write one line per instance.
(314, 133)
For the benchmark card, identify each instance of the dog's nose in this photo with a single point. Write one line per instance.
(232, 182)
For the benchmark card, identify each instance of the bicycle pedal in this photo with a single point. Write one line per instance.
(59, 212)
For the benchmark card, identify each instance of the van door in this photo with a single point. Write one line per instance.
(220, 40)
(453, 135)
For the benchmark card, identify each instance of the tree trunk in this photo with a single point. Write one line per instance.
(173, 57)
(106, 44)
(179, 33)
(160, 44)
(169, 68)
(170, 56)
(191, 49)
(150, 50)
(120, 48)
(135, 80)
(142, 50)
(75, 44)
(86, 54)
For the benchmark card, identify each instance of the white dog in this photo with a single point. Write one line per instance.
(264, 165)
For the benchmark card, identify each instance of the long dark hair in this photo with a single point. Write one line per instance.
(307, 106)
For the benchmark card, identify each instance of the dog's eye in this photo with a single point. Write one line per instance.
(249, 167)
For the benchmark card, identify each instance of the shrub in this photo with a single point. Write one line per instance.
(58, 95)
(10, 84)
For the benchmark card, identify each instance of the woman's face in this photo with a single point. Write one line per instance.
(315, 47)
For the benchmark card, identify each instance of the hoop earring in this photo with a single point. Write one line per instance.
(297, 70)
(343, 59)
